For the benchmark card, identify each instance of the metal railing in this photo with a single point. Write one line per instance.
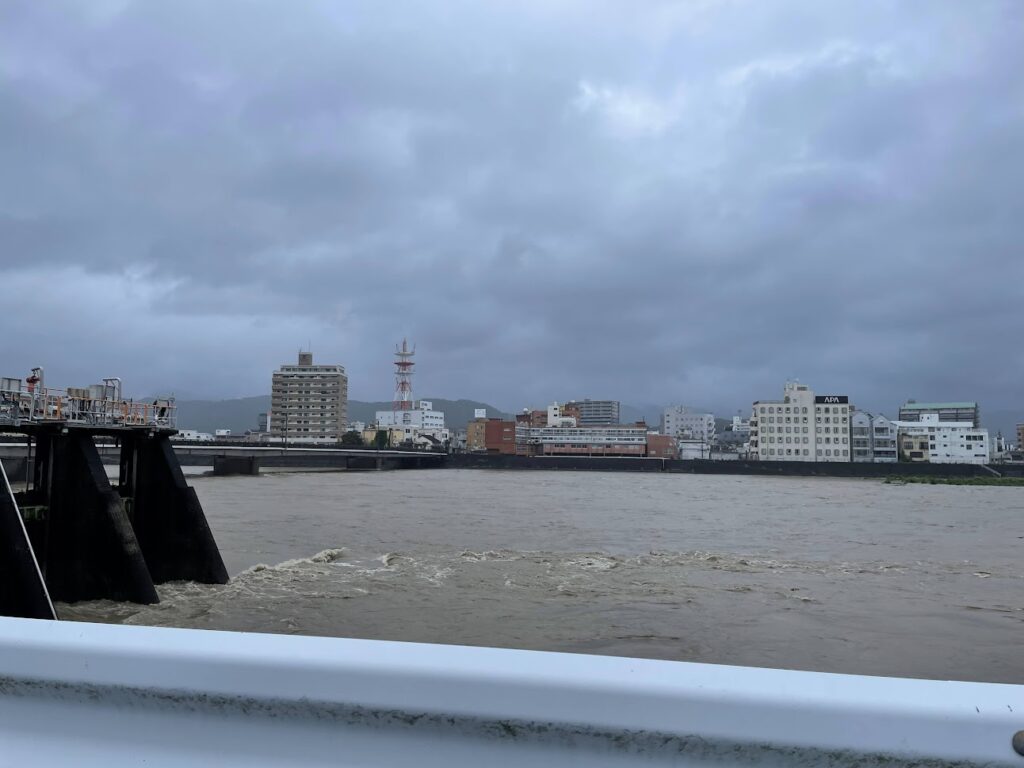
(95, 694)
(80, 407)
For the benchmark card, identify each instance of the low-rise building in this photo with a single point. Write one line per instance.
(872, 438)
(613, 440)
(409, 437)
(422, 415)
(693, 449)
(192, 436)
(491, 436)
(662, 446)
(802, 426)
(929, 439)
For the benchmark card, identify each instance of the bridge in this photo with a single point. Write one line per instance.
(246, 459)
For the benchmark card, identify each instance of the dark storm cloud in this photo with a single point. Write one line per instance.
(682, 203)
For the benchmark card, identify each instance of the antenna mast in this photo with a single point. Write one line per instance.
(403, 376)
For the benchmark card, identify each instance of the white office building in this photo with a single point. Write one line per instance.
(942, 442)
(679, 422)
(422, 416)
(802, 426)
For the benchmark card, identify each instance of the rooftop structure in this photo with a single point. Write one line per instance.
(956, 411)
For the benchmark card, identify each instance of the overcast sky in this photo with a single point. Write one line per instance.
(651, 201)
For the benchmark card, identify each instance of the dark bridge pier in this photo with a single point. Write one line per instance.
(91, 540)
(80, 531)
(168, 520)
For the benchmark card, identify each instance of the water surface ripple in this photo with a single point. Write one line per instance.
(807, 573)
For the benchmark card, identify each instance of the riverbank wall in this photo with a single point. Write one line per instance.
(715, 467)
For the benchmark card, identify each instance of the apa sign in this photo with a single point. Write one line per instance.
(831, 399)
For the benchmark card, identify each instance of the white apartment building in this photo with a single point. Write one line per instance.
(802, 426)
(308, 403)
(557, 418)
(423, 417)
(943, 442)
(740, 425)
(679, 422)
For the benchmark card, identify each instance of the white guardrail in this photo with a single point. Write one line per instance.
(87, 694)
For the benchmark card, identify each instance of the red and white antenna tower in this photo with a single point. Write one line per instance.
(403, 376)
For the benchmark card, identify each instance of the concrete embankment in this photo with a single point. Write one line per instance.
(718, 467)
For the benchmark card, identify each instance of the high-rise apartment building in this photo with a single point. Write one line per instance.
(802, 426)
(595, 413)
(308, 403)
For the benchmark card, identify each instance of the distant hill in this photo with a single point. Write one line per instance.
(242, 413)
(238, 415)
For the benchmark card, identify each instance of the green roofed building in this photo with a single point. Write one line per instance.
(912, 410)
